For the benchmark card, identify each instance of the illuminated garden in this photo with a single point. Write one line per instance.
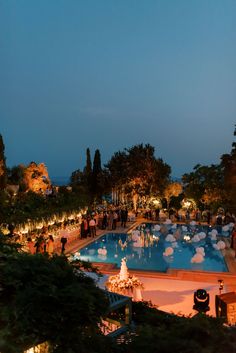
(101, 264)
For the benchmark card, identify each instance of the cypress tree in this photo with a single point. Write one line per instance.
(3, 169)
(88, 167)
(97, 168)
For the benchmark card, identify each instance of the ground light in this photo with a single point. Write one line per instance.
(201, 301)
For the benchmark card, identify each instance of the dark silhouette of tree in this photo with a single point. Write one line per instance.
(15, 176)
(228, 164)
(88, 167)
(48, 299)
(3, 169)
(157, 331)
(97, 169)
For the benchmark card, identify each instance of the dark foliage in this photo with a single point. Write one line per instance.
(44, 299)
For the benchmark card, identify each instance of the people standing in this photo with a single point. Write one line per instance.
(92, 227)
(63, 234)
(157, 214)
(110, 220)
(63, 243)
(39, 245)
(124, 217)
(31, 246)
(104, 220)
(233, 236)
(208, 217)
(115, 217)
(234, 241)
(82, 229)
(50, 245)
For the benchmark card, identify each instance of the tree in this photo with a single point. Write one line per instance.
(15, 176)
(172, 189)
(136, 172)
(3, 169)
(228, 164)
(205, 185)
(97, 169)
(88, 167)
(47, 299)
(157, 331)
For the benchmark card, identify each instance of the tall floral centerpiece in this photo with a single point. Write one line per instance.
(124, 283)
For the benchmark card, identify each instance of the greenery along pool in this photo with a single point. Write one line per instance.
(144, 249)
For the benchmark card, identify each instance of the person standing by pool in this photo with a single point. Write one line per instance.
(104, 220)
(50, 245)
(31, 246)
(233, 236)
(208, 217)
(124, 217)
(234, 243)
(92, 227)
(63, 239)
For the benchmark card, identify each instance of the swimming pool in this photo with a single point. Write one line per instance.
(159, 248)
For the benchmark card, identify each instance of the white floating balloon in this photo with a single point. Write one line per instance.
(197, 258)
(200, 250)
(168, 251)
(213, 236)
(214, 231)
(102, 251)
(170, 238)
(157, 227)
(195, 238)
(202, 235)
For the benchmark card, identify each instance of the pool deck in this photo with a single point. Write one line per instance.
(229, 278)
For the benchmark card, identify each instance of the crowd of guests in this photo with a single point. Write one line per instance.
(42, 244)
(187, 215)
(107, 219)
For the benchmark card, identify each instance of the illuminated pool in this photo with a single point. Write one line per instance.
(145, 247)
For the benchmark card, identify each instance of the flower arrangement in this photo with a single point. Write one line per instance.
(118, 285)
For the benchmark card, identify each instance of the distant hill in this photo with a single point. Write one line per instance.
(60, 181)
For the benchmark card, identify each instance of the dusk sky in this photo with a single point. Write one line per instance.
(109, 74)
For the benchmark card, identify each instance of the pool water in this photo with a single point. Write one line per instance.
(144, 249)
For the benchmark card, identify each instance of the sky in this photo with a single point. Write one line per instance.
(108, 75)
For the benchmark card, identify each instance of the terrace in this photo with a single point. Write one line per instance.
(173, 290)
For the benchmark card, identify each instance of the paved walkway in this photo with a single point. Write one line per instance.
(79, 243)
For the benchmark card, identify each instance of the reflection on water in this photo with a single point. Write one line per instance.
(145, 246)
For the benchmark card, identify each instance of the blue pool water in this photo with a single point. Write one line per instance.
(147, 253)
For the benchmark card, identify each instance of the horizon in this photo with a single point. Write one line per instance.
(111, 75)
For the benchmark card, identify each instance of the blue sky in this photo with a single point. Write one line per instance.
(110, 74)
